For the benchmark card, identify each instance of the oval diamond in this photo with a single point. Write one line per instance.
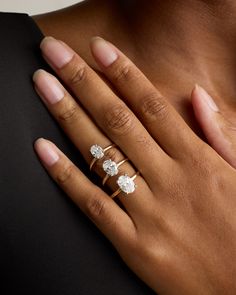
(126, 184)
(97, 151)
(110, 167)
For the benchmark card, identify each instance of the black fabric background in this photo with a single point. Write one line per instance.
(47, 245)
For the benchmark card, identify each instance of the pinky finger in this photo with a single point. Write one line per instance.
(114, 223)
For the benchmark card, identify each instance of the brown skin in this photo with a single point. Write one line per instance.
(185, 242)
(175, 43)
(195, 44)
(177, 231)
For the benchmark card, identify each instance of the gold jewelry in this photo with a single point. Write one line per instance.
(98, 153)
(111, 168)
(126, 184)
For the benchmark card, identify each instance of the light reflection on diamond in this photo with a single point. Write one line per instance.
(97, 151)
(110, 167)
(126, 184)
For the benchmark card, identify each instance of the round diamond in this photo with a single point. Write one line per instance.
(110, 167)
(126, 184)
(97, 151)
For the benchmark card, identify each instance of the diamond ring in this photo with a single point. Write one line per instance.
(126, 185)
(111, 168)
(98, 153)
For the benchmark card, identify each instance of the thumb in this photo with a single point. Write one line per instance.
(219, 131)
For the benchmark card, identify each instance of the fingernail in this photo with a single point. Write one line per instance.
(46, 152)
(103, 51)
(207, 98)
(50, 89)
(56, 52)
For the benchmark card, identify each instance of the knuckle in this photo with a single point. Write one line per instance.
(64, 176)
(122, 73)
(153, 107)
(68, 113)
(96, 207)
(118, 119)
(77, 75)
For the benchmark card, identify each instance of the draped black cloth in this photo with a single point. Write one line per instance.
(47, 245)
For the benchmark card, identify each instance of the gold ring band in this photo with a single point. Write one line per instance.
(104, 150)
(117, 192)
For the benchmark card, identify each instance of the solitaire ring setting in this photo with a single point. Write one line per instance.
(98, 153)
(126, 185)
(111, 168)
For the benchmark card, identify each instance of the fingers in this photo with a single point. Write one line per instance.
(112, 115)
(84, 133)
(159, 117)
(115, 224)
(219, 131)
(68, 113)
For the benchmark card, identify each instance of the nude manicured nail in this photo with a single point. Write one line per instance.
(207, 98)
(46, 152)
(56, 52)
(50, 89)
(103, 51)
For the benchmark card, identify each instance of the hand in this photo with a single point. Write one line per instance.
(218, 126)
(177, 230)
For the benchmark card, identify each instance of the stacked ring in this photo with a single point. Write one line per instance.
(98, 153)
(126, 185)
(111, 168)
